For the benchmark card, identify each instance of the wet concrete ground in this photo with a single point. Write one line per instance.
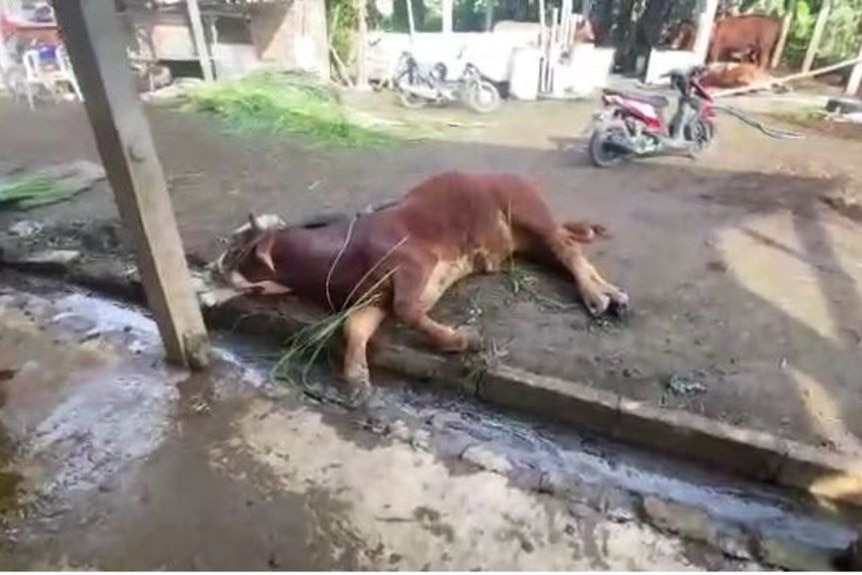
(110, 459)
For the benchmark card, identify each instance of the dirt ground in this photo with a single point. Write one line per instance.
(110, 459)
(744, 280)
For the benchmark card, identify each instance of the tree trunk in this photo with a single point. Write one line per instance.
(361, 45)
(411, 23)
(786, 22)
(489, 15)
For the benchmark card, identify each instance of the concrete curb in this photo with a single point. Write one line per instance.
(750, 453)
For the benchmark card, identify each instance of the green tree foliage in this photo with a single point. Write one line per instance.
(840, 39)
(341, 23)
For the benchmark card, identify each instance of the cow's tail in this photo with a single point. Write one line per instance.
(585, 232)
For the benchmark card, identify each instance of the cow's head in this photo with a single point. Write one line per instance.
(246, 264)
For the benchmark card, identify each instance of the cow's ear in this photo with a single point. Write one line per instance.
(263, 251)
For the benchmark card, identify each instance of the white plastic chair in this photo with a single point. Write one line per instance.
(68, 74)
(35, 74)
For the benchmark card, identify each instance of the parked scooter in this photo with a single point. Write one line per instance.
(632, 125)
(418, 87)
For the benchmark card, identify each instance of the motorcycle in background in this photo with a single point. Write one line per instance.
(418, 87)
(632, 125)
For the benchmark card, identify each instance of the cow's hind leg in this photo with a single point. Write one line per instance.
(416, 288)
(360, 326)
(536, 232)
(598, 294)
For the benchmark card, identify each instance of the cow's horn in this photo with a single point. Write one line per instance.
(254, 223)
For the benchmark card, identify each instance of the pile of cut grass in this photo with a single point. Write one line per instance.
(286, 103)
(27, 192)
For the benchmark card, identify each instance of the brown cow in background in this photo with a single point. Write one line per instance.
(752, 36)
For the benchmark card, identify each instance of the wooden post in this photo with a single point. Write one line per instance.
(447, 7)
(489, 14)
(856, 75)
(819, 27)
(786, 22)
(542, 23)
(411, 23)
(704, 29)
(97, 47)
(201, 47)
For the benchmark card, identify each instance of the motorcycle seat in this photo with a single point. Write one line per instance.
(652, 99)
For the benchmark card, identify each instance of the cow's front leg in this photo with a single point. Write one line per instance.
(413, 298)
(360, 326)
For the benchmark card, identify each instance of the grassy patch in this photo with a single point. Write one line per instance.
(287, 104)
(28, 192)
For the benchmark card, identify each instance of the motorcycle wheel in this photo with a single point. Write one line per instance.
(700, 134)
(483, 97)
(411, 101)
(602, 154)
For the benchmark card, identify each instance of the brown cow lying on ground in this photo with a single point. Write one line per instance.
(733, 75)
(409, 253)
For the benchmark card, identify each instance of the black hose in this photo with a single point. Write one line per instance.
(771, 132)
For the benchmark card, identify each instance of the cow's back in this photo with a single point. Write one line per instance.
(748, 26)
(457, 208)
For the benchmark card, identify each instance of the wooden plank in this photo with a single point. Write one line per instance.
(97, 46)
(201, 47)
(856, 75)
(817, 35)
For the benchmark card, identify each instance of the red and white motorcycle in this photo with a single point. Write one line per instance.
(632, 125)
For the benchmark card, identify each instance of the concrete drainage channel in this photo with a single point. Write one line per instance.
(770, 534)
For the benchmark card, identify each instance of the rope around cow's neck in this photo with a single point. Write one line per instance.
(338, 257)
(336, 260)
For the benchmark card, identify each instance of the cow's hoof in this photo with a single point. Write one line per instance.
(358, 389)
(619, 308)
(597, 304)
(358, 394)
(470, 338)
(619, 305)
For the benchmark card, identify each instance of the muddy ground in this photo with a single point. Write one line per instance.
(744, 280)
(111, 460)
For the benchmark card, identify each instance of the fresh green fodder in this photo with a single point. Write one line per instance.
(287, 103)
(28, 192)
